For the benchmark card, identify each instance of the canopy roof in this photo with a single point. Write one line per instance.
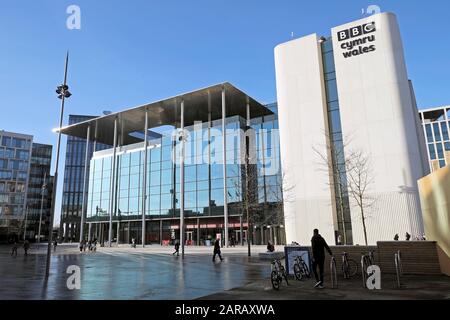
(168, 112)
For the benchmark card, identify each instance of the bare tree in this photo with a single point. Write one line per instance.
(360, 177)
(333, 163)
(278, 194)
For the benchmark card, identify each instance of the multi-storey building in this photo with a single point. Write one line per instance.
(73, 182)
(436, 122)
(40, 189)
(338, 97)
(134, 193)
(23, 165)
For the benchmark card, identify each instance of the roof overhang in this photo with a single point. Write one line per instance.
(197, 105)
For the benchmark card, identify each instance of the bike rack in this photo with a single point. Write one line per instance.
(363, 272)
(334, 278)
(398, 268)
(400, 263)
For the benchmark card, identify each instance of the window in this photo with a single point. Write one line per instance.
(432, 151)
(437, 133)
(444, 131)
(6, 141)
(429, 133)
(447, 146)
(335, 121)
(440, 150)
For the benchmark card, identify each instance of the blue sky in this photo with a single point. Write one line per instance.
(131, 52)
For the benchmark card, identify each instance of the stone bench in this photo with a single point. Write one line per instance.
(271, 255)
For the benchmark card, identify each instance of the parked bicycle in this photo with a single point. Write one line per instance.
(301, 269)
(278, 274)
(368, 260)
(349, 266)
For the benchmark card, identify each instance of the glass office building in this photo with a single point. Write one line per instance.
(15, 155)
(40, 187)
(119, 178)
(73, 182)
(23, 165)
(436, 124)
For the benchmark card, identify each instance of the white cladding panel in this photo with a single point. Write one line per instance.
(301, 105)
(378, 116)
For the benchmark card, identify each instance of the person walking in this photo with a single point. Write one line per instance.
(82, 245)
(177, 249)
(55, 244)
(319, 245)
(217, 251)
(14, 249)
(233, 242)
(339, 240)
(26, 247)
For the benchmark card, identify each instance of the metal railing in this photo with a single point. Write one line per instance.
(333, 269)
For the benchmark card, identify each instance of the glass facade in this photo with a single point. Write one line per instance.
(336, 141)
(204, 196)
(23, 165)
(436, 124)
(73, 182)
(40, 187)
(15, 155)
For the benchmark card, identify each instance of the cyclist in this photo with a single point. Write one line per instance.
(318, 250)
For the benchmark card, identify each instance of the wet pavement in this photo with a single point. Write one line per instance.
(124, 273)
(412, 288)
(153, 273)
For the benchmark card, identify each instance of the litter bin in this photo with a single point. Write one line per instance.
(208, 243)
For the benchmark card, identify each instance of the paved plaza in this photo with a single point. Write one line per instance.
(153, 273)
(128, 273)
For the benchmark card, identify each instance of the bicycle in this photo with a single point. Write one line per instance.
(368, 260)
(349, 266)
(278, 272)
(301, 269)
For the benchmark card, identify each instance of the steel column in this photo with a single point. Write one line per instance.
(113, 182)
(85, 186)
(182, 181)
(144, 183)
(224, 151)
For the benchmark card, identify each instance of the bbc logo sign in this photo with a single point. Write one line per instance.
(356, 31)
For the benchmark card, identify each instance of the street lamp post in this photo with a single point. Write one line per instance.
(44, 187)
(63, 93)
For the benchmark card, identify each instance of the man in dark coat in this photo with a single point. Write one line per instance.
(217, 250)
(319, 245)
